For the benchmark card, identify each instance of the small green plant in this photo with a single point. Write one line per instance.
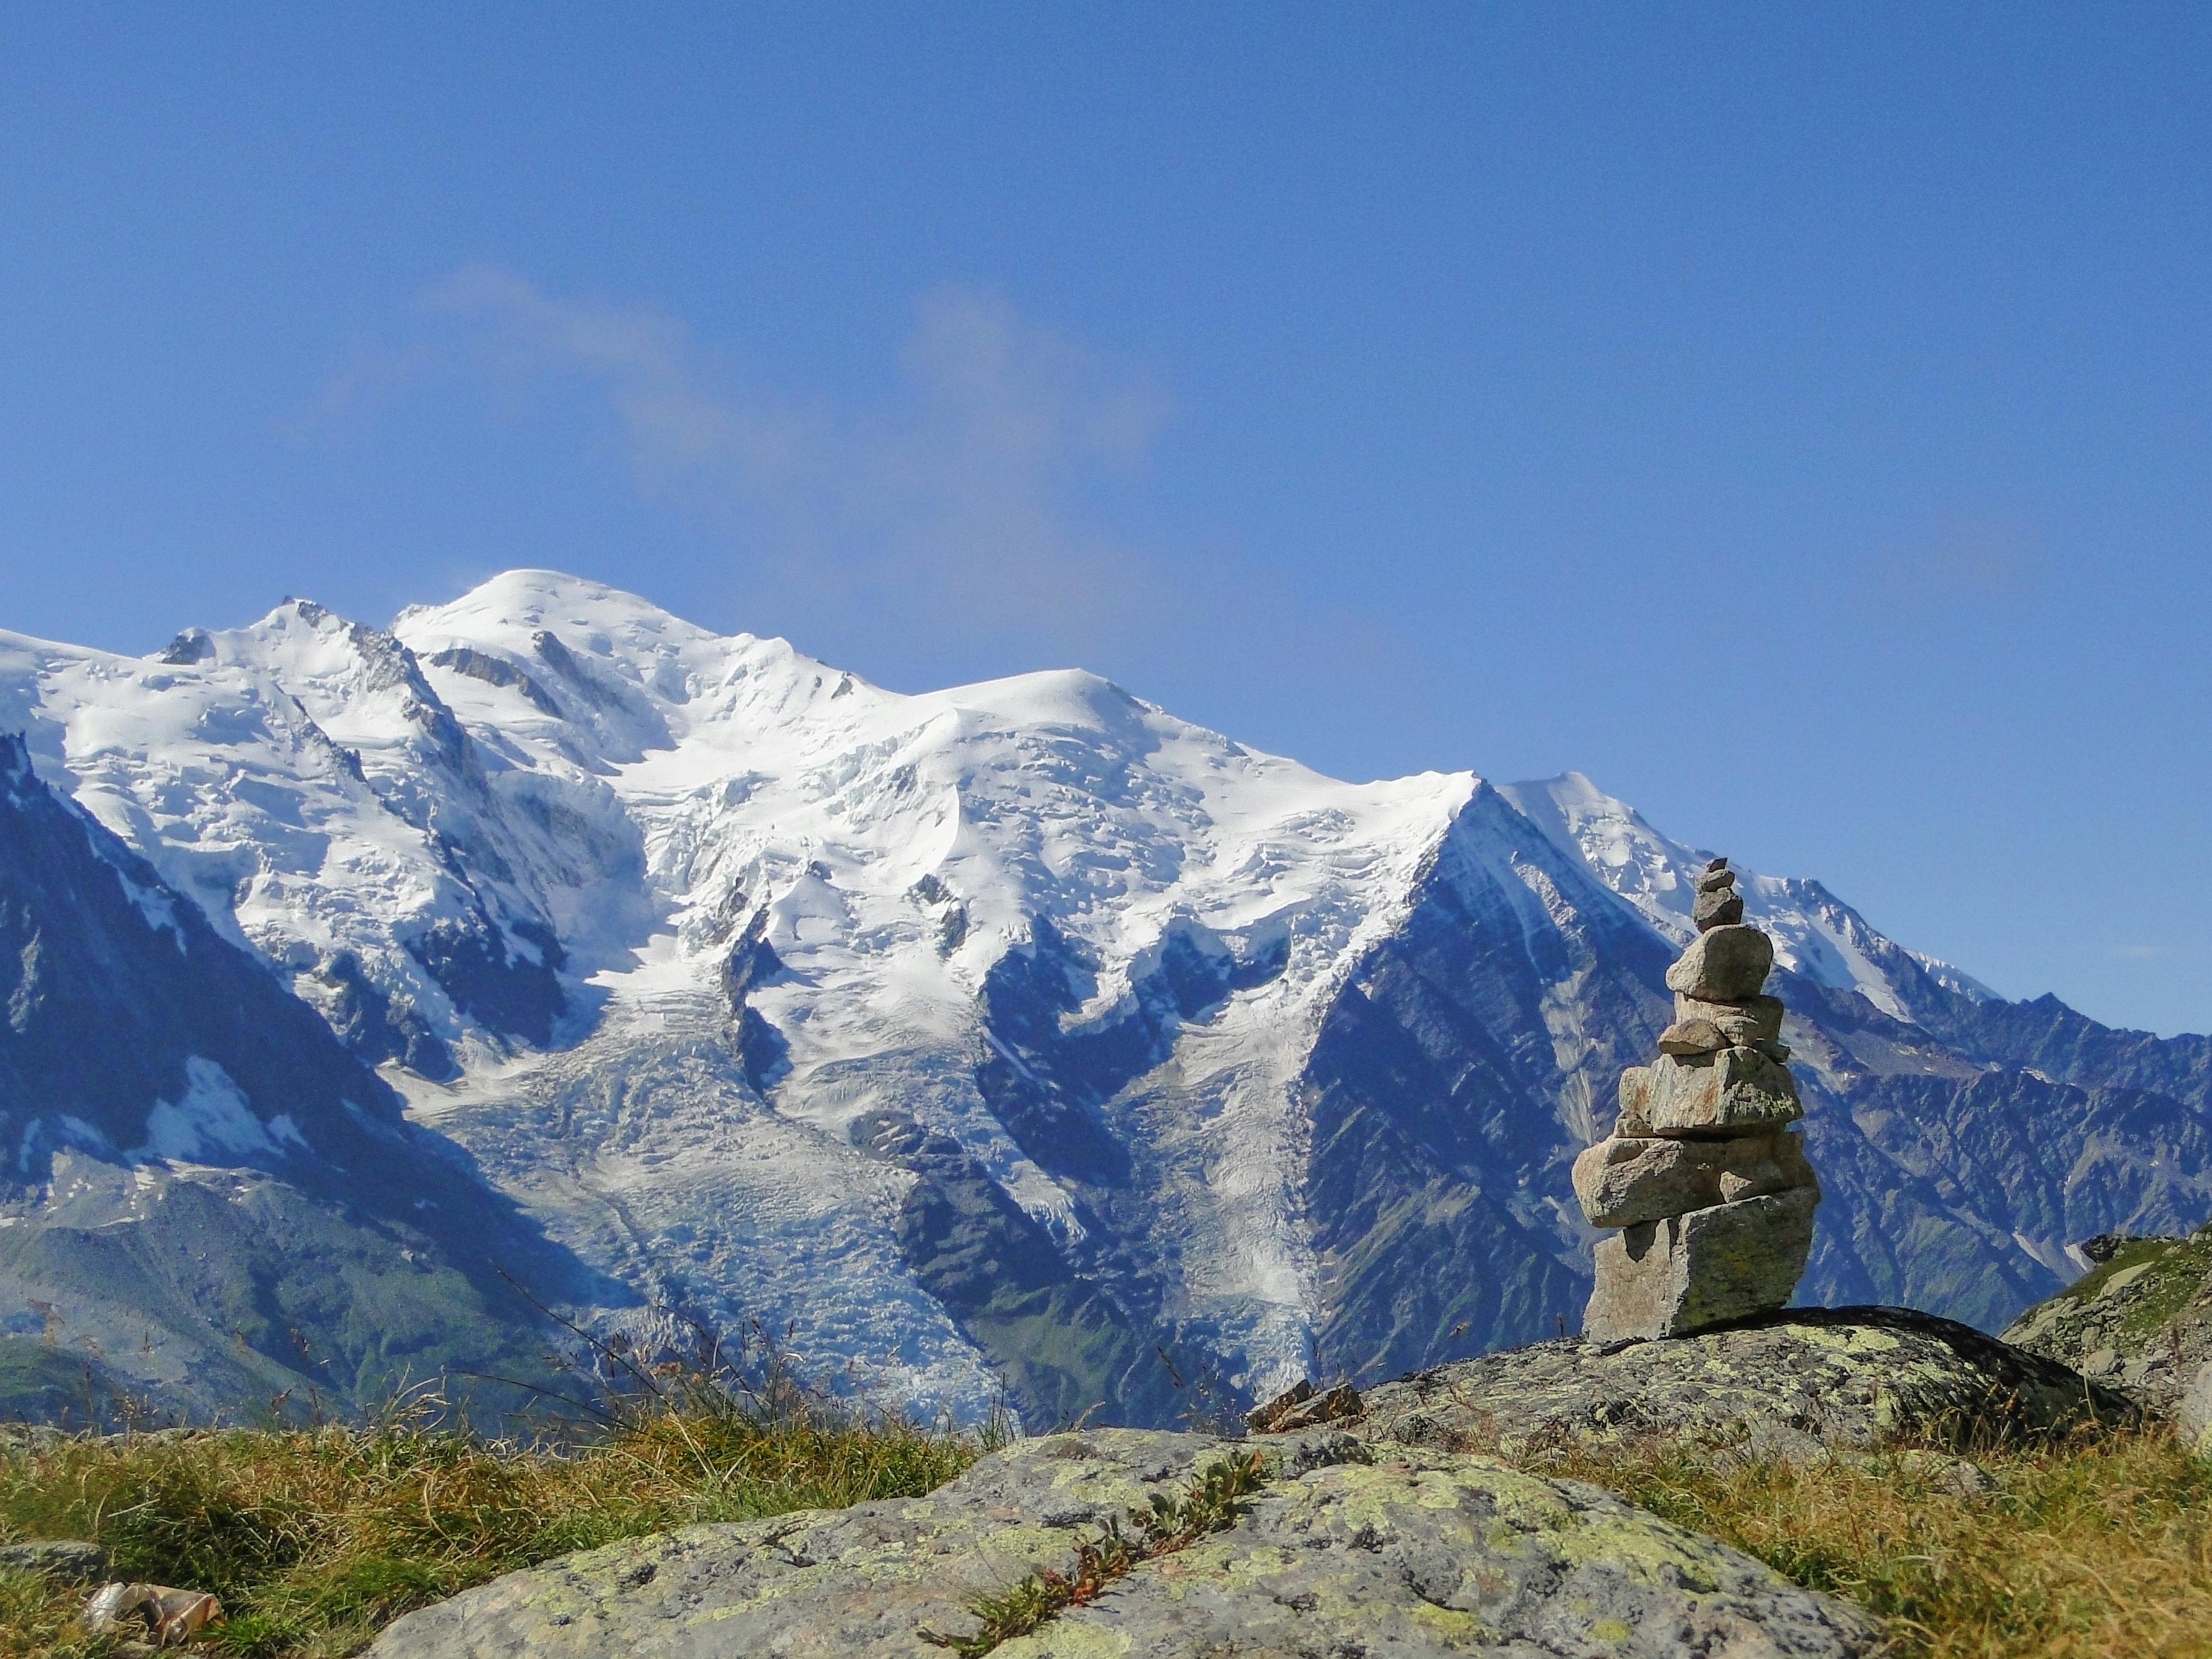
(1169, 1524)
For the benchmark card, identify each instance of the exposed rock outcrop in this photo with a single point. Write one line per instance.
(1345, 1548)
(2139, 1320)
(1797, 1384)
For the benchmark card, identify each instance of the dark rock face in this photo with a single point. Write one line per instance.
(517, 992)
(1342, 1550)
(497, 670)
(362, 1016)
(1435, 1095)
(1045, 1084)
(192, 645)
(1794, 1384)
(111, 981)
(1062, 1342)
(204, 1183)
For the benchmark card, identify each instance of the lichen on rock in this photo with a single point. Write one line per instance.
(1800, 1385)
(1347, 1546)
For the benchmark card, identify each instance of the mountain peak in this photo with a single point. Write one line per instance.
(531, 598)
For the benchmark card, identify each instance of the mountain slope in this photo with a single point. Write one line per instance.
(1020, 1034)
(207, 1196)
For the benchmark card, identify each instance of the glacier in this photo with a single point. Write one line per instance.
(1018, 1040)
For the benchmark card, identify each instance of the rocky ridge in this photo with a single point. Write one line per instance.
(2139, 1320)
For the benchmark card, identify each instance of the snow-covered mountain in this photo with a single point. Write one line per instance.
(1022, 1030)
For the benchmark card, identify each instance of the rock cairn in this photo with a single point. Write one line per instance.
(1706, 1181)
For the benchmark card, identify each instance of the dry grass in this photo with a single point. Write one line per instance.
(2093, 1549)
(315, 1539)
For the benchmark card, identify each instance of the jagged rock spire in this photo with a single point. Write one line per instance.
(1709, 1186)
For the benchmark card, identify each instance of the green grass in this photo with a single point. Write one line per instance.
(315, 1539)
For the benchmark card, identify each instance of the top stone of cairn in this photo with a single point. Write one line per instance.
(1718, 904)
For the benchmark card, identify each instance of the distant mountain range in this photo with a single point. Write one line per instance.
(1017, 1036)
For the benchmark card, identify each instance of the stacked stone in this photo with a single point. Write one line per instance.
(1708, 1185)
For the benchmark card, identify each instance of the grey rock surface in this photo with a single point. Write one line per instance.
(1720, 908)
(67, 1560)
(1734, 1091)
(1621, 1182)
(1403, 1550)
(1712, 881)
(1723, 964)
(2192, 1413)
(1693, 1036)
(1726, 1263)
(1634, 1118)
(1805, 1382)
(1753, 1019)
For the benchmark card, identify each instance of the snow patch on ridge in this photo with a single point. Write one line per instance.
(212, 1116)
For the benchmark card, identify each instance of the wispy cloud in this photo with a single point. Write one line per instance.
(976, 515)
(968, 492)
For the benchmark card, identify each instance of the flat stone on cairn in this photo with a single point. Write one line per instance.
(1709, 1189)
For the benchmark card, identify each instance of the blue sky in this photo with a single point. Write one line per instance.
(1794, 417)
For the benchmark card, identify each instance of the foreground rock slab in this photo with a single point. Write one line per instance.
(1349, 1548)
(1800, 1385)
